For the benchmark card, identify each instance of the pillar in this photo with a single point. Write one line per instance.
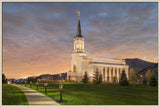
(113, 71)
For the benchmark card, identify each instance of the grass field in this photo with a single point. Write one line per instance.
(12, 95)
(103, 94)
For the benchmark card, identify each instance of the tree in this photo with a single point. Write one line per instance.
(153, 81)
(123, 80)
(148, 74)
(85, 78)
(144, 80)
(96, 77)
(130, 72)
(4, 79)
(100, 78)
(132, 76)
(12, 81)
(32, 79)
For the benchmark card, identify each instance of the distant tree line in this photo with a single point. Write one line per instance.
(148, 78)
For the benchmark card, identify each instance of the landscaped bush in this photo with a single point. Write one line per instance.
(85, 78)
(123, 80)
(153, 80)
(97, 78)
(144, 80)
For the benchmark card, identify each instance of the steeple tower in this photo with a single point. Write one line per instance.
(78, 35)
(79, 40)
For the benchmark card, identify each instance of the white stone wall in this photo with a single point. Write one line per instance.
(83, 65)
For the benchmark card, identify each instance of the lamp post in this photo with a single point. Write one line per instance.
(60, 76)
(25, 83)
(45, 85)
(30, 84)
(61, 87)
(37, 85)
(141, 78)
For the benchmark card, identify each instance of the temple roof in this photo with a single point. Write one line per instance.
(105, 63)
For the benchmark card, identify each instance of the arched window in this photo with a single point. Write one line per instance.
(74, 68)
(75, 45)
(80, 43)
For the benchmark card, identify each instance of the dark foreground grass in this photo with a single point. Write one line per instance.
(12, 95)
(103, 94)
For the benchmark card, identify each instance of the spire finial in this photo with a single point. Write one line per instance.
(78, 12)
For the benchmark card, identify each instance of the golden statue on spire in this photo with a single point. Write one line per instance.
(78, 12)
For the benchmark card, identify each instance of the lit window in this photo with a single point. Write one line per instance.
(80, 45)
(75, 46)
(74, 68)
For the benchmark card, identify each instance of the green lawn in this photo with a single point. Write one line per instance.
(103, 94)
(12, 95)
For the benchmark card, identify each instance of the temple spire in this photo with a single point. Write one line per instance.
(79, 26)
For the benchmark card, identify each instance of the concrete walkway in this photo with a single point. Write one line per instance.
(36, 98)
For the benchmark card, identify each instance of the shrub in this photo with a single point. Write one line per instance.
(100, 79)
(123, 80)
(96, 77)
(85, 78)
(148, 74)
(144, 80)
(153, 81)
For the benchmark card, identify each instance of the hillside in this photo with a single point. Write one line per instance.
(141, 66)
(138, 64)
(153, 68)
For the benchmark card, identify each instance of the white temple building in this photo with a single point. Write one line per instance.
(81, 63)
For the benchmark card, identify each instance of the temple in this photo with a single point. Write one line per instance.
(110, 69)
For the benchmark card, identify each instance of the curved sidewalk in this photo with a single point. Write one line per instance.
(36, 98)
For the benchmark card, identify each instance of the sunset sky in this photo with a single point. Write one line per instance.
(38, 37)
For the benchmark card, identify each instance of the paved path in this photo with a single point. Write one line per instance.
(36, 98)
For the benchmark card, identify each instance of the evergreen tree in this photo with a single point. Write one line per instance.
(153, 81)
(100, 78)
(85, 78)
(144, 80)
(4, 79)
(96, 77)
(12, 81)
(123, 80)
